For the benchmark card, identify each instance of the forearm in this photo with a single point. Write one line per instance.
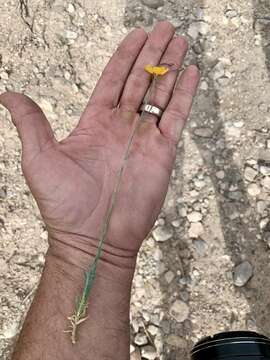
(105, 333)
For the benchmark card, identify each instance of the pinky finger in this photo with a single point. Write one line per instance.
(175, 116)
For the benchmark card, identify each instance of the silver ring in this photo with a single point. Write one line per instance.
(151, 109)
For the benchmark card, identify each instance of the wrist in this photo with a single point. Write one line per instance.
(107, 317)
(116, 265)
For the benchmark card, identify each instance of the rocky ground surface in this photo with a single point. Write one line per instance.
(205, 267)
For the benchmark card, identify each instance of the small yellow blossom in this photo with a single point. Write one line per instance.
(156, 70)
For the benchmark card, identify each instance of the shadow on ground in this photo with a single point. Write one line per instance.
(260, 306)
(237, 217)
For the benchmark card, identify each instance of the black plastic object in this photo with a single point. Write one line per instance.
(232, 345)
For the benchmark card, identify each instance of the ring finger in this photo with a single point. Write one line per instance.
(138, 81)
(164, 85)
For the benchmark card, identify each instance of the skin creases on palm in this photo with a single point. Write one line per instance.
(72, 181)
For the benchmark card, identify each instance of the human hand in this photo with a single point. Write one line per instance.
(72, 180)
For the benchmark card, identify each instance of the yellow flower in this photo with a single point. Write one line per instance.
(156, 70)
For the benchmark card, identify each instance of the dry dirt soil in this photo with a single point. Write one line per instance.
(205, 267)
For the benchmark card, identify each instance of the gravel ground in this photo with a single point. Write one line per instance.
(205, 267)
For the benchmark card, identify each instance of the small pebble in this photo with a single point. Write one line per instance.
(264, 157)
(261, 206)
(193, 30)
(149, 352)
(266, 183)
(204, 86)
(136, 355)
(194, 217)
(242, 274)
(220, 174)
(154, 4)
(203, 132)
(200, 246)
(162, 234)
(71, 8)
(264, 223)
(46, 105)
(153, 330)
(250, 173)
(195, 230)
(176, 341)
(230, 13)
(3, 193)
(3, 267)
(265, 170)
(253, 190)
(238, 124)
(176, 223)
(140, 339)
(11, 331)
(4, 75)
(71, 35)
(169, 276)
(179, 311)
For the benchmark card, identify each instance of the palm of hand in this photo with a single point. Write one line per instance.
(73, 180)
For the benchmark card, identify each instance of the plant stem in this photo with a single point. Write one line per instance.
(79, 315)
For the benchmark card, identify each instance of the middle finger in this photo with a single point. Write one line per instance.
(138, 81)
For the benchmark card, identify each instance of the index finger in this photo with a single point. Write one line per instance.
(110, 86)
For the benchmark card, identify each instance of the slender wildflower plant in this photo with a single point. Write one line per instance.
(80, 312)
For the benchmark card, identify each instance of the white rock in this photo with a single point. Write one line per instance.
(71, 8)
(195, 230)
(193, 31)
(46, 105)
(220, 174)
(162, 234)
(179, 311)
(263, 223)
(219, 71)
(176, 223)
(158, 254)
(140, 339)
(250, 173)
(199, 183)
(203, 28)
(182, 211)
(204, 85)
(11, 331)
(71, 35)
(266, 182)
(265, 170)
(149, 352)
(253, 190)
(4, 75)
(238, 124)
(153, 330)
(261, 206)
(194, 216)
(169, 275)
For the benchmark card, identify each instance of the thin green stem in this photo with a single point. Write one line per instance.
(79, 315)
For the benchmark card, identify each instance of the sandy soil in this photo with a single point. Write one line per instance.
(205, 268)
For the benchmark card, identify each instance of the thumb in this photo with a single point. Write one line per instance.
(34, 129)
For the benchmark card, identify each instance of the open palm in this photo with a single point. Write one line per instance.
(73, 180)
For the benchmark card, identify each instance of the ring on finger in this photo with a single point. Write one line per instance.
(151, 109)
